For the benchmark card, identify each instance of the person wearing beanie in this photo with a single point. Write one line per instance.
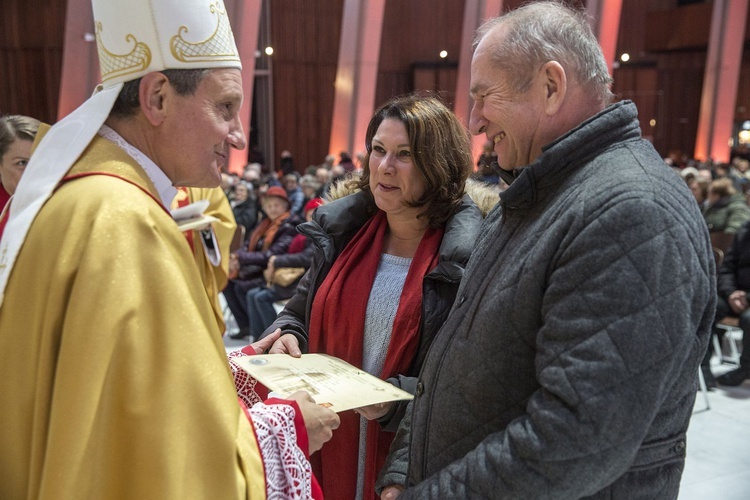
(272, 236)
(114, 381)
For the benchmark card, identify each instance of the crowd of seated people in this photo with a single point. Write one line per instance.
(282, 275)
(271, 236)
(721, 190)
(250, 194)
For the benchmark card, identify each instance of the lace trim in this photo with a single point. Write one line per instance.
(243, 382)
(288, 472)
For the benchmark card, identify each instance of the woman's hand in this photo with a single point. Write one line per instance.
(265, 343)
(286, 344)
(374, 412)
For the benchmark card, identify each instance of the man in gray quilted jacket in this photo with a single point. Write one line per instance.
(568, 365)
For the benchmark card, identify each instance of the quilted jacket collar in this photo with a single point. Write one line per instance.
(613, 125)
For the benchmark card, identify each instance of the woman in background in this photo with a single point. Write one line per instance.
(17, 134)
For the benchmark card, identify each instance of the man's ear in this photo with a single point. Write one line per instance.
(555, 86)
(152, 93)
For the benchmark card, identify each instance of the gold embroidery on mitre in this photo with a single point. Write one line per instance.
(116, 65)
(218, 47)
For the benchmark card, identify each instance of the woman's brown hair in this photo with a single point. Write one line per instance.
(440, 148)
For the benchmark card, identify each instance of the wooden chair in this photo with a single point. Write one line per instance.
(721, 240)
(238, 239)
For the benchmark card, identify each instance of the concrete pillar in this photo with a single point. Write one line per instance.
(80, 64)
(475, 13)
(245, 19)
(605, 16)
(719, 95)
(357, 74)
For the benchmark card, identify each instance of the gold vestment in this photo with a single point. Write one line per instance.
(114, 381)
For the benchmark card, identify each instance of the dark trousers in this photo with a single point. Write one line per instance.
(235, 294)
(722, 311)
(260, 309)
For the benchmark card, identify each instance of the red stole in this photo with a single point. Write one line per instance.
(336, 327)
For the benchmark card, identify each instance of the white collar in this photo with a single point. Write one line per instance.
(162, 183)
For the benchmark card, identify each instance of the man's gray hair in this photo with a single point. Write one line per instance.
(184, 81)
(549, 31)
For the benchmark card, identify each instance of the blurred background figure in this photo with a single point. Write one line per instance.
(310, 187)
(272, 236)
(295, 194)
(486, 173)
(699, 188)
(345, 162)
(725, 212)
(244, 207)
(17, 134)
(286, 164)
(733, 285)
(297, 259)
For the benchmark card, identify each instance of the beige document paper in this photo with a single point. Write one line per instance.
(331, 381)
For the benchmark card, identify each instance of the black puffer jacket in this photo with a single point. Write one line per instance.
(735, 270)
(252, 263)
(568, 365)
(334, 225)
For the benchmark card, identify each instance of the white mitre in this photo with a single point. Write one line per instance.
(134, 37)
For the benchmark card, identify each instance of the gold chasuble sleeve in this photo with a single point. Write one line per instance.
(214, 277)
(114, 381)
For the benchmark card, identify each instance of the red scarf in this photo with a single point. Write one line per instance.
(336, 327)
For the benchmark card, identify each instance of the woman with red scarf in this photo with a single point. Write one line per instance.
(388, 262)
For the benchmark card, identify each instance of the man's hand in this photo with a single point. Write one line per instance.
(738, 301)
(265, 343)
(373, 412)
(287, 344)
(320, 422)
(391, 492)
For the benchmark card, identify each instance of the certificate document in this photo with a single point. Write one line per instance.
(330, 381)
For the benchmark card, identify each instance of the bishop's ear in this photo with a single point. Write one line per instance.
(555, 86)
(152, 93)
